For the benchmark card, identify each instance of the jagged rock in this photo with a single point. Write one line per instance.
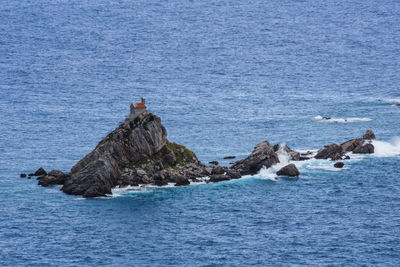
(54, 177)
(289, 170)
(369, 135)
(139, 144)
(360, 145)
(332, 151)
(214, 162)
(22, 175)
(262, 155)
(39, 172)
(338, 165)
(229, 157)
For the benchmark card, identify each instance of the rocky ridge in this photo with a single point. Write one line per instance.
(138, 152)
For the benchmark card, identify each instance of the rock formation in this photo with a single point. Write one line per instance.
(289, 170)
(138, 152)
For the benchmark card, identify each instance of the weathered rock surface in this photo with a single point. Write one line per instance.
(262, 155)
(136, 152)
(289, 170)
(332, 151)
(54, 177)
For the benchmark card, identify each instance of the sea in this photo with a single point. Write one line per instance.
(223, 76)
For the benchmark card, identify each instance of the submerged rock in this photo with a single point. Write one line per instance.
(289, 170)
(229, 157)
(22, 175)
(262, 155)
(214, 162)
(338, 164)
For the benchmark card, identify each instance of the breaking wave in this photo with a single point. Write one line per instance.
(387, 149)
(393, 100)
(340, 120)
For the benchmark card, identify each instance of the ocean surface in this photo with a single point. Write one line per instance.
(223, 76)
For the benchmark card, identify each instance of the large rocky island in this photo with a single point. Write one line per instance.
(138, 152)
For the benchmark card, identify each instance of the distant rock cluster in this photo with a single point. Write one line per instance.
(138, 152)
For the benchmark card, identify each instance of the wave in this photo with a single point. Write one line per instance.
(340, 120)
(387, 149)
(393, 100)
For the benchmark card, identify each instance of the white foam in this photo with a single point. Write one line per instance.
(393, 100)
(387, 149)
(341, 120)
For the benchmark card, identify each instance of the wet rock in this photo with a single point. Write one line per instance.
(338, 164)
(182, 182)
(262, 155)
(350, 145)
(40, 172)
(233, 174)
(369, 135)
(54, 177)
(364, 149)
(332, 151)
(326, 118)
(294, 155)
(229, 157)
(347, 157)
(218, 178)
(22, 175)
(289, 170)
(214, 162)
(219, 170)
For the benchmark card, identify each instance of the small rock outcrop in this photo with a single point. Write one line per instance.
(289, 170)
(360, 145)
(338, 164)
(262, 155)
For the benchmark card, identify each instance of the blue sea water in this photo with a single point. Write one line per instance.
(223, 76)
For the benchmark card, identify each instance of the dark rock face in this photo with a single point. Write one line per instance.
(262, 155)
(40, 172)
(219, 178)
(332, 151)
(182, 182)
(338, 165)
(364, 149)
(289, 170)
(360, 145)
(369, 135)
(136, 152)
(55, 177)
